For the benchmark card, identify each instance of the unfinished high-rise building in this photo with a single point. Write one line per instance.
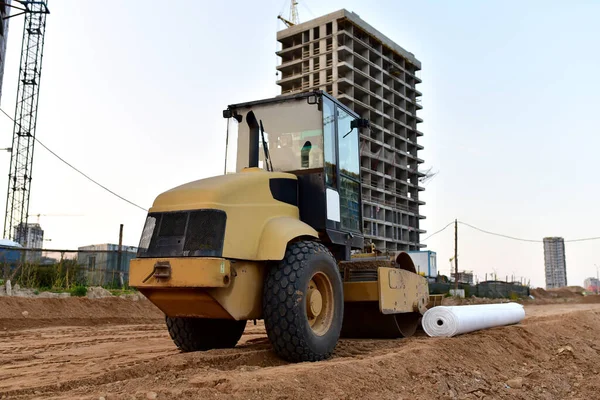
(555, 262)
(343, 55)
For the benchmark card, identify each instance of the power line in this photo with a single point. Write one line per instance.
(507, 236)
(86, 176)
(524, 240)
(441, 230)
(499, 234)
(92, 180)
(583, 239)
(308, 9)
(4, 112)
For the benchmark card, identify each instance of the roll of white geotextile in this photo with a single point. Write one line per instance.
(449, 321)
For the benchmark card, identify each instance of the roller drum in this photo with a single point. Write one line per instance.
(364, 320)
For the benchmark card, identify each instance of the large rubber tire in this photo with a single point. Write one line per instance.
(201, 334)
(285, 303)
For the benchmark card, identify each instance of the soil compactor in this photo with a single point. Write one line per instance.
(278, 237)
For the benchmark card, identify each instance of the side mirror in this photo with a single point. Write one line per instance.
(360, 123)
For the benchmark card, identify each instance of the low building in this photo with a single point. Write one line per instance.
(591, 285)
(100, 263)
(30, 236)
(10, 256)
(425, 262)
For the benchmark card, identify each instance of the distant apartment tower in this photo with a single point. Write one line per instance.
(343, 55)
(30, 236)
(555, 262)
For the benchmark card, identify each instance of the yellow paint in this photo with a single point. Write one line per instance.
(258, 226)
(197, 287)
(277, 233)
(401, 291)
(243, 298)
(185, 272)
(361, 291)
(435, 300)
(185, 302)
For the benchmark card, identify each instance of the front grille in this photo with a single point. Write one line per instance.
(205, 233)
(197, 233)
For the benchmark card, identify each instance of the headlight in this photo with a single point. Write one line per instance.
(147, 233)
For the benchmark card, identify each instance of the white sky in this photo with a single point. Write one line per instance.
(132, 94)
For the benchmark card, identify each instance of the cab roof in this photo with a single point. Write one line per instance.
(283, 98)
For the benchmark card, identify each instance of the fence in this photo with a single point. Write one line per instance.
(63, 269)
(107, 267)
(495, 289)
(489, 289)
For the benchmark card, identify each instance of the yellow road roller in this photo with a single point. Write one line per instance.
(277, 237)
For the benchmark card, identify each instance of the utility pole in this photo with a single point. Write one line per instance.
(120, 253)
(455, 257)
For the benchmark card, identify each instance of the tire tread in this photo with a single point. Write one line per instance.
(200, 334)
(280, 297)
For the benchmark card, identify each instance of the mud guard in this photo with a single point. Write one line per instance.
(276, 235)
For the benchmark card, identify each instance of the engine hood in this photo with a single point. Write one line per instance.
(251, 186)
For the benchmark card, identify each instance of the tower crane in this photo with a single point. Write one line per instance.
(54, 215)
(25, 119)
(293, 18)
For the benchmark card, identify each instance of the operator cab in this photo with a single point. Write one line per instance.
(315, 137)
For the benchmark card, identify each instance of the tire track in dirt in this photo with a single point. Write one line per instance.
(163, 358)
(555, 353)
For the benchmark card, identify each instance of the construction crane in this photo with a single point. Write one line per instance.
(427, 175)
(54, 215)
(21, 161)
(293, 18)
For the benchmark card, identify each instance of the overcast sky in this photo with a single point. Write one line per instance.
(132, 94)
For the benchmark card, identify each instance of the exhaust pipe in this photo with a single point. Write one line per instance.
(252, 140)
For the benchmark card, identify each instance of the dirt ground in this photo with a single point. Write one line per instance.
(116, 348)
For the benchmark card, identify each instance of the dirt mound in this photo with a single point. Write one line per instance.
(540, 293)
(575, 289)
(457, 301)
(590, 299)
(568, 291)
(22, 312)
(558, 293)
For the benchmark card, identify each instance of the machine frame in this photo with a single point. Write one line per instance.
(263, 244)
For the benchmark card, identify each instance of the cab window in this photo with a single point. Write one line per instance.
(329, 142)
(348, 145)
